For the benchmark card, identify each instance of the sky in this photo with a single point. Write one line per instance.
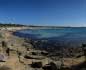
(44, 12)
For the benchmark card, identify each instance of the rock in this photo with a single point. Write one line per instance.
(36, 64)
(51, 66)
(44, 53)
(33, 57)
(2, 58)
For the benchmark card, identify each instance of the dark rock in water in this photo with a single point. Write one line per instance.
(36, 65)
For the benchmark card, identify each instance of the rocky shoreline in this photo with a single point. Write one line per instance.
(25, 54)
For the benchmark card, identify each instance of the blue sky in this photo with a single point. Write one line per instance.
(44, 12)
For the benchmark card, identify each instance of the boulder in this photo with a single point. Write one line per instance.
(51, 66)
(36, 64)
(2, 58)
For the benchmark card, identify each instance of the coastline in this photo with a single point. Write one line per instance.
(25, 47)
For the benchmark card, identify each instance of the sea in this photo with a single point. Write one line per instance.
(67, 36)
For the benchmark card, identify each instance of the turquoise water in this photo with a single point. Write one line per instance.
(67, 35)
(61, 32)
